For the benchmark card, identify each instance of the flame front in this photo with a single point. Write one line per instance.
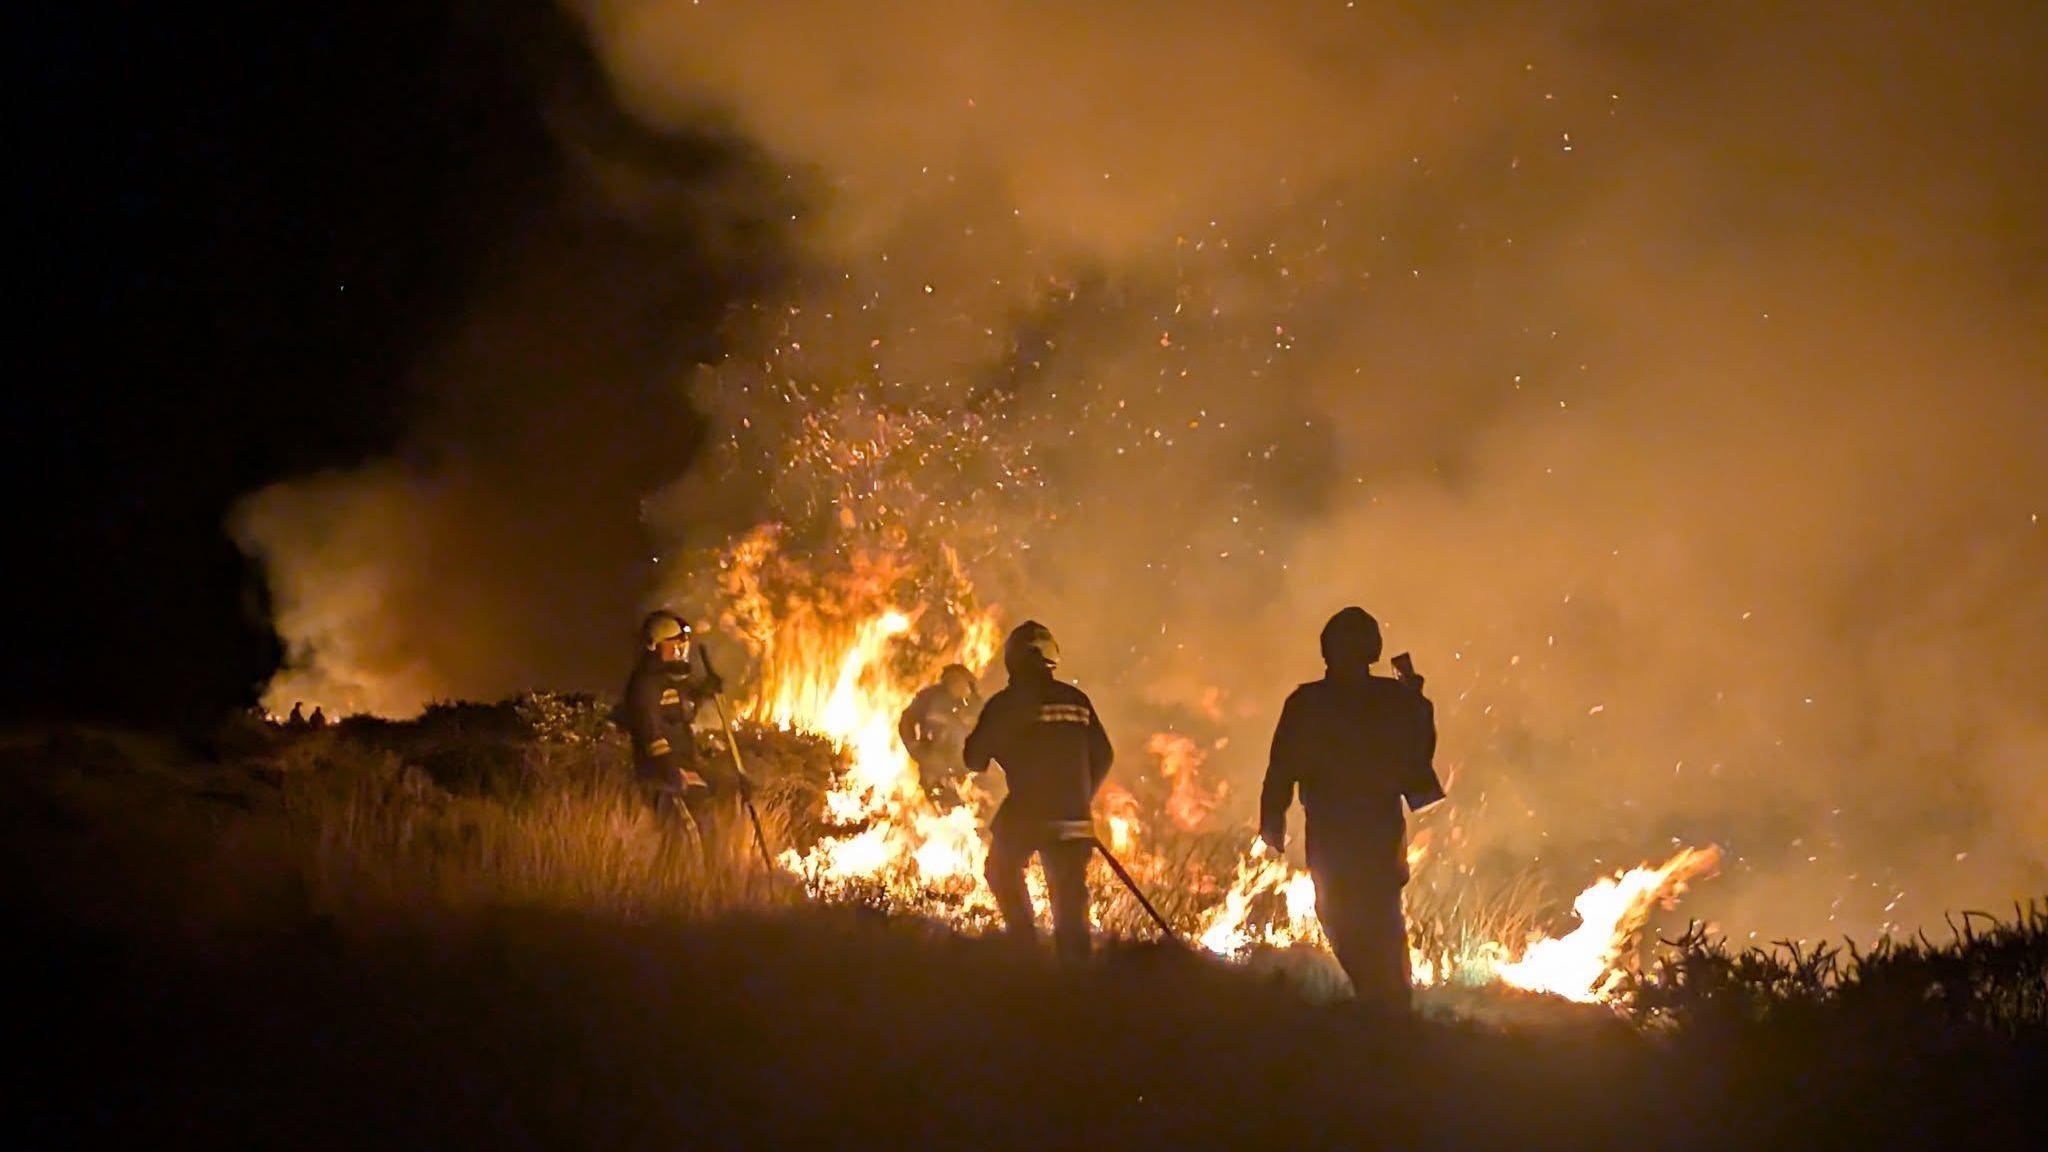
(1580, 965)
(840, 654)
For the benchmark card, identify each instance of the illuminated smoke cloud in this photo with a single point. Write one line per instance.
(1674, 397)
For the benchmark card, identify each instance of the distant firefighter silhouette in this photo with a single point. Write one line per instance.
(934, 731)
(1357, 746)
(1054, 753)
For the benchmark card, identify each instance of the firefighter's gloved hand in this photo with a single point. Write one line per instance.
(713, 683)
(692, 782)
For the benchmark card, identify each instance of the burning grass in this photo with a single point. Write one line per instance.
(246, 951)
(529, 804)
(541, 1011)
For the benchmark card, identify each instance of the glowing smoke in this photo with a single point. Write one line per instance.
(1669, 379)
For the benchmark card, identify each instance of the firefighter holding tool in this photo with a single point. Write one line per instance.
(660, 709)
(1054, 754)
(1357, 747)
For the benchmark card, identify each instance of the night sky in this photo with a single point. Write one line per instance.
(245, 227)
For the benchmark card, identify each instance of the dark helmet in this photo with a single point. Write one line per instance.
(1030, 648)
(1351, 639)
(662, 625)
(960, 670)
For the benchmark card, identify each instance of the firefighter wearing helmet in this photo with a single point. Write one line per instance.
(934, 731)
(660, 710)
(1357, 746)
(1054, 754)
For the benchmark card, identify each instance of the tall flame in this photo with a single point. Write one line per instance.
(838, 657)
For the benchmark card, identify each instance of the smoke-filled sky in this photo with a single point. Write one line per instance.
(1670, 378)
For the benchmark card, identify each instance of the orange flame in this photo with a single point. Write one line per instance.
(1119, 810)
(1418, 849)
(1580, 965)
(1191, 802)
(836, 656)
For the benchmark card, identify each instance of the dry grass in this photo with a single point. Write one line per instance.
(535, 811)
(387, 839)
(1990, 976)
(530, 963)
(529, 804)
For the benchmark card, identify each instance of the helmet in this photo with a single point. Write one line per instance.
(663, 625)
(960, 671)
(1031, 648)
(1351, 639)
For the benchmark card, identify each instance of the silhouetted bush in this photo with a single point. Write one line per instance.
(1991, 976)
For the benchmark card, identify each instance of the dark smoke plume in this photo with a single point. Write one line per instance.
(502, 547)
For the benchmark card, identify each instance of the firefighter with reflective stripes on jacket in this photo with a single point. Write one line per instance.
(1054, 754)
(660, 707)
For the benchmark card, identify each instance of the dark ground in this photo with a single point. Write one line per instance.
(171, 991)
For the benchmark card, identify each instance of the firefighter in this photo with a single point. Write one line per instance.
(1054, 754)
(934, 731)
(1358, 746)
(659, 710)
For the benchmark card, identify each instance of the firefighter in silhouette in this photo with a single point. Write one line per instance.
(1054, 754)
(934, 731)
(659, 710)
(1358, 746)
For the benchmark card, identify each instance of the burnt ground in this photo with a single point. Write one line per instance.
(173, 991)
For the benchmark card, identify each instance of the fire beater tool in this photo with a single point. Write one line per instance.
(732, 743)
(1124, 875)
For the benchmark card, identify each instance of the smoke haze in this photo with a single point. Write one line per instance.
(1669, 380)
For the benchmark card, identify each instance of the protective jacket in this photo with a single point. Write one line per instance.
(1051, 744)
(660, 706)
(1356, 747)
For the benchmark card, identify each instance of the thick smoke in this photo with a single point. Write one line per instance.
(501, 547)
(1669, 379)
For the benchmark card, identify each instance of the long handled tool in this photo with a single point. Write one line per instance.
(1122, 874)
(732, 743)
